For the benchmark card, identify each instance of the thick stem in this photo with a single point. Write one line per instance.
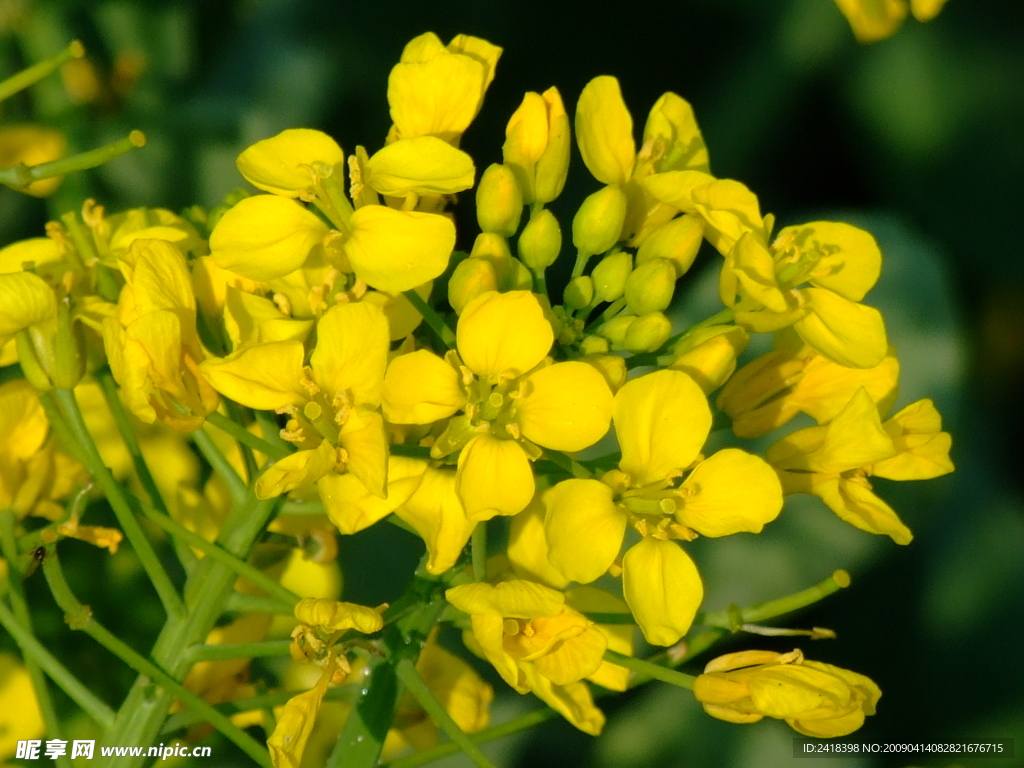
(478, 548)
(434, 320)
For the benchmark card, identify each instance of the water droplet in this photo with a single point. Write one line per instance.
(364, 691)
(359, 738)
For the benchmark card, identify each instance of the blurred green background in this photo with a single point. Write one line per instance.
(919, 138)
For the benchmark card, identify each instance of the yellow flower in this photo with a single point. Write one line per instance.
(295, 724)
(436, 513)
(661, 420)
(152, 345)
(536, 642)
(332, 404)
(20, 717)
(769, 391)
(814, 699)
(335, 616)
(437, 90)
(874, 20)
(512, 400)
(835, 461)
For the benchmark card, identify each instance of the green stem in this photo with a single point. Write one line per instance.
(124, 426)
(610, 311)
(242, 603)
(206, 445)
(35, 73)
(21, 176)
(478, 549)
(406, 671)
(96, 709)
(88, 454)
(734, 618)
(81, 618)
(244, 436)
(21, 615)
(243, 569)
(540, 283)
(238, 650)
(434, 320)
(657, 671)
(529, 720)
(581, 263)
(568, 463)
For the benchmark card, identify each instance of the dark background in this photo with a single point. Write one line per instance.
(919, 138)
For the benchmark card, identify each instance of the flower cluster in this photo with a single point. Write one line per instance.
(363, 370)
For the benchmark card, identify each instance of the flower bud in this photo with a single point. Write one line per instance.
(472, 277)
(612, 367)
(610, 275)
(649, 287)
(615, 329)
(677, 240)
(540, 241)
(598, 223)
(499, 202)
(594, 345)
(537, 146)
(709, 354)
(579, 293)
(647, 333)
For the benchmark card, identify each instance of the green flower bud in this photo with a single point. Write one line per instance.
(510, 273)
(598, 223)
(594, 345)
(471, 277)
(649, 287)
(540, 241)
(579, 293)
(499, 201)
(489, 245)
(647, 333)
(615, 329)
(677, 240)
(610, 275)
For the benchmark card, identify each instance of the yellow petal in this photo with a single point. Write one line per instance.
(420, 388)
(926, 10)
(396, 251)
(672, 121)
(265, 236)
(500, 332)
(295, 724)
(24, 300)
(663, 589)
(583, 527)
(528, 547)
(35, 251)
(494, 477)
(856, 504)
(351, 351)
(423, 166)
(855, 438)
(662, 420)
(365, 447)
(159, 277)
(283, 164)
(604, 131)
(567, 407)
(730, 210)
(295, 470)
(22, 718)
(749, 267)
(461, 691)
(730, 492)
(574, 658)
(848, 333)
(512, 599)
(263, 376)
(676, 188)
(589, 599)
(873, 20)
(923, 447)
(336, 616)
(352, 508)
(574, 701)
(436, 513)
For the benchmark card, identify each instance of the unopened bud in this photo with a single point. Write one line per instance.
(647, 333)
(650, 286)
(612, 367)
(598, 223)
(579, 293)
(537, 146)
(470, 278)
(499, 201)
(594, 345)
(509, 272)
(615, 329)
(540, 241)
(709, 354)
(677, 240)
(610, 276)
